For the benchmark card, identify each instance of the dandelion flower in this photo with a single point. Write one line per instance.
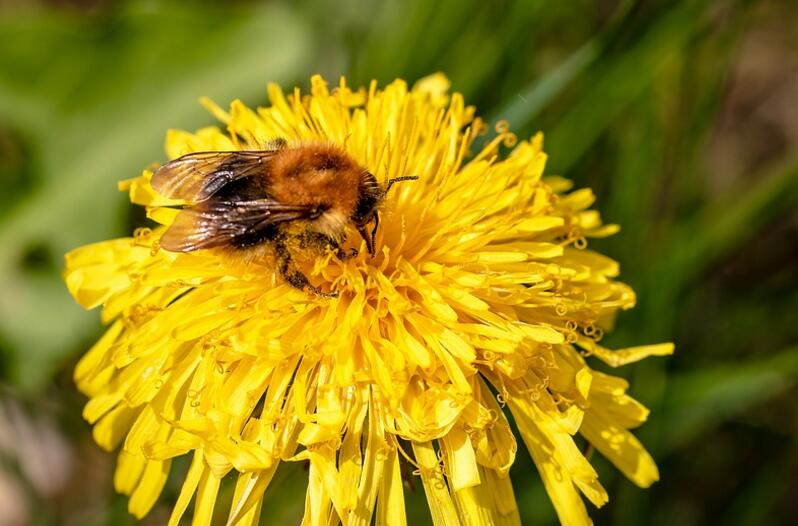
(482, 300)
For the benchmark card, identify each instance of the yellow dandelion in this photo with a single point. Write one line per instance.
(481, 297)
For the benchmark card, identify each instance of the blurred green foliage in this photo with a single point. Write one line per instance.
(674, 111)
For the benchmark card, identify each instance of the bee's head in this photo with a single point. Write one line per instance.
(370, 195)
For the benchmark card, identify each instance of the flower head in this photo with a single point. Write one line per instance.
(481, 297)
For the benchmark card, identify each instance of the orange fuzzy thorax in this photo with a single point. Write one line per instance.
(315, 174)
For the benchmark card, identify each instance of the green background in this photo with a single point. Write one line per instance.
(681, 115)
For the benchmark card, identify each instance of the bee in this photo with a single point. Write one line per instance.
(305, 195)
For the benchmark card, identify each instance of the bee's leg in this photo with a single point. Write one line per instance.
(318, 241)
(295, 277)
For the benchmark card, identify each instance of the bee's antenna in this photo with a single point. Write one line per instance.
(398, 180)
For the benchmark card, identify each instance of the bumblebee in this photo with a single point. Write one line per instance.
(306, 195)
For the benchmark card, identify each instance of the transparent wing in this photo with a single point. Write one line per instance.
(216, 223)
(197, 176)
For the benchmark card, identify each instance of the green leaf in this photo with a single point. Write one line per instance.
(535, 97)
(699, 400)
(619, 81)
(735, 216)
(760, 497)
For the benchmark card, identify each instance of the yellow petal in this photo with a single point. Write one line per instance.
(557, 478)
(440, 501)
(93, 359)
(539, 224)
(371, 475)
(461, 461)
(391, 501)
(473, 506)
(129, 468)
(113, 427)
(248, 497)
(621, 448)
(350, 460)
(317, 500)
(500, 488)
(629, 355)
(207, 490)
(149, 487)
(195, 473)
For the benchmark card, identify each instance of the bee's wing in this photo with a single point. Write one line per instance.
(216, 223)
(195, 177)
